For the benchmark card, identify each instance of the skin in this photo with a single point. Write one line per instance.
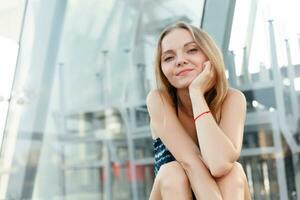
(198, 164)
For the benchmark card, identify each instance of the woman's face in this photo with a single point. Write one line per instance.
(181, 58)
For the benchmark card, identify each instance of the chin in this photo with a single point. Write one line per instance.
(183, 85)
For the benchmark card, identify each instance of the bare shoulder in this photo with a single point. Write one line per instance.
(159, 106)
(234, 99)
(157, 98)
(236, 93)
(152, 97)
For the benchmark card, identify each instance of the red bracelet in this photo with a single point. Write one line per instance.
(201, 114)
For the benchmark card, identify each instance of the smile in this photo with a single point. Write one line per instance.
(183, 72)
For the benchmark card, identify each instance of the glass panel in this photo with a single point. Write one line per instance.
(264, 48)
(10, 26)
(78, 127)
(11, 19)
(262, 99)
(142, 116)
(262, 176)
(80, 85)
(140, 148)
(256, 136)
(145, 180)
(84, 184)
(3, 112)
(11, 15)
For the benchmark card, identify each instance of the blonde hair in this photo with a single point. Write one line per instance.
(216, 95)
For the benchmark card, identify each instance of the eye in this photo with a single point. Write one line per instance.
(169, 58)
(193, 50)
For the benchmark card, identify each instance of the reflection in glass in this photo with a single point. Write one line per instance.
(83, 131)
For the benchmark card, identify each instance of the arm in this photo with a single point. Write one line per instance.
(165, 124)
(220, 145)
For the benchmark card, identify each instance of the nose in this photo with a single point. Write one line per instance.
(180, 61)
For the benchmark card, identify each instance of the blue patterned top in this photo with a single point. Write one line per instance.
(161, 154)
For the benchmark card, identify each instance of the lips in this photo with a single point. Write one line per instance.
(182, 72)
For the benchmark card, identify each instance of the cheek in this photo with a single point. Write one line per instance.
(201, 59)
(200, 67)
(166, 71)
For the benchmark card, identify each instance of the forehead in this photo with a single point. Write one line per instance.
(175, 39)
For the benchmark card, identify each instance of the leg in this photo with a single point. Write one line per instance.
(155, 192)
(234, 184)
(171, 182)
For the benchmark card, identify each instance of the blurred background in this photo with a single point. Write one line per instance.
(74, 76)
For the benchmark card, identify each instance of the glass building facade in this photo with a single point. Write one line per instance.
(75, 75)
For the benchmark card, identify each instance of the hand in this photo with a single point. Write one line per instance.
(205, 80)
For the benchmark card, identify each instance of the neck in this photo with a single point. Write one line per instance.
(185, 101)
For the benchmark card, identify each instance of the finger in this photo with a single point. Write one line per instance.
(209, 64)
(207, 67)
(206, 63)
(211, 69)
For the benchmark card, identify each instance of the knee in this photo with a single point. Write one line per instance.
(237, 175)
(232, 185)
(172, 176)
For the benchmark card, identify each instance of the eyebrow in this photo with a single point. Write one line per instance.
(170, 50)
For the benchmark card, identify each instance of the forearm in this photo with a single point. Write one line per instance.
(212, 140)
(203, 184)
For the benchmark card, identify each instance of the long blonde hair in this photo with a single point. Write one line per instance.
(216, 95)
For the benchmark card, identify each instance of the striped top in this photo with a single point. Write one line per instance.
(161, 154)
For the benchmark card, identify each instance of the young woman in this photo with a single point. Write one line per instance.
(197, 121)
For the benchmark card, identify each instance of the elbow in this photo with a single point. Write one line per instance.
(220, 170)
